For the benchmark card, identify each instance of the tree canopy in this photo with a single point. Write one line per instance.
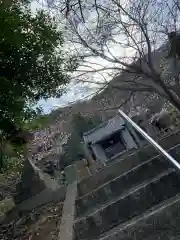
(33, 63)
(81, 124)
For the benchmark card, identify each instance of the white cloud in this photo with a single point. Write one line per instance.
(68, 98)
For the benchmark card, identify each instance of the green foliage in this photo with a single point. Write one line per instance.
(174, 115)
(11, 158)
(32, 63)
(80, 124)
(74, 150)
(40, 122)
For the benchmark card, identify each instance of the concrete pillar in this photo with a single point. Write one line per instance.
(138, 140)
(71, 173)
(130, 143)
(91, 162)
(100, 153)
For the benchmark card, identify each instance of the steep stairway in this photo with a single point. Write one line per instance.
(134, 198)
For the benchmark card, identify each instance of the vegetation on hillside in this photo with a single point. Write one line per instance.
(40, 122)
(74, 149)
(33, 66)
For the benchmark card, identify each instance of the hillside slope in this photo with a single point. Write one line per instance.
(104, 105)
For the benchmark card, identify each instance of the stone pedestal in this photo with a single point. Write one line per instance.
(30, 185)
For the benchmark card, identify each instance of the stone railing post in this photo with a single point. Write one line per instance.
(66, 231)
(71, 173)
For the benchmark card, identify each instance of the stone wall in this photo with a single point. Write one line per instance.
(30, 184)
(44, 197)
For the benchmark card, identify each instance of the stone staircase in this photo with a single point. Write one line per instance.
(137, 197)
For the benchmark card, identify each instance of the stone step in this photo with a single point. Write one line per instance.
(161, 222)
(117, 186)
(126, 163)
(128, 206)
(112, 171)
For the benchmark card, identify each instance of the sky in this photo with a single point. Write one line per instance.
(72, 93)
(77, 92)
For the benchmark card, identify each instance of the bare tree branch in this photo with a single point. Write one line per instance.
(127, 37)
(118, 106)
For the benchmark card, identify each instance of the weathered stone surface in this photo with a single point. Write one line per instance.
(144, 172)
(161, 222)
(82, 169)
(71, 173)
(128, 206)
(30, 184)
(44, 197)
(66, 227)
(125, 164)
